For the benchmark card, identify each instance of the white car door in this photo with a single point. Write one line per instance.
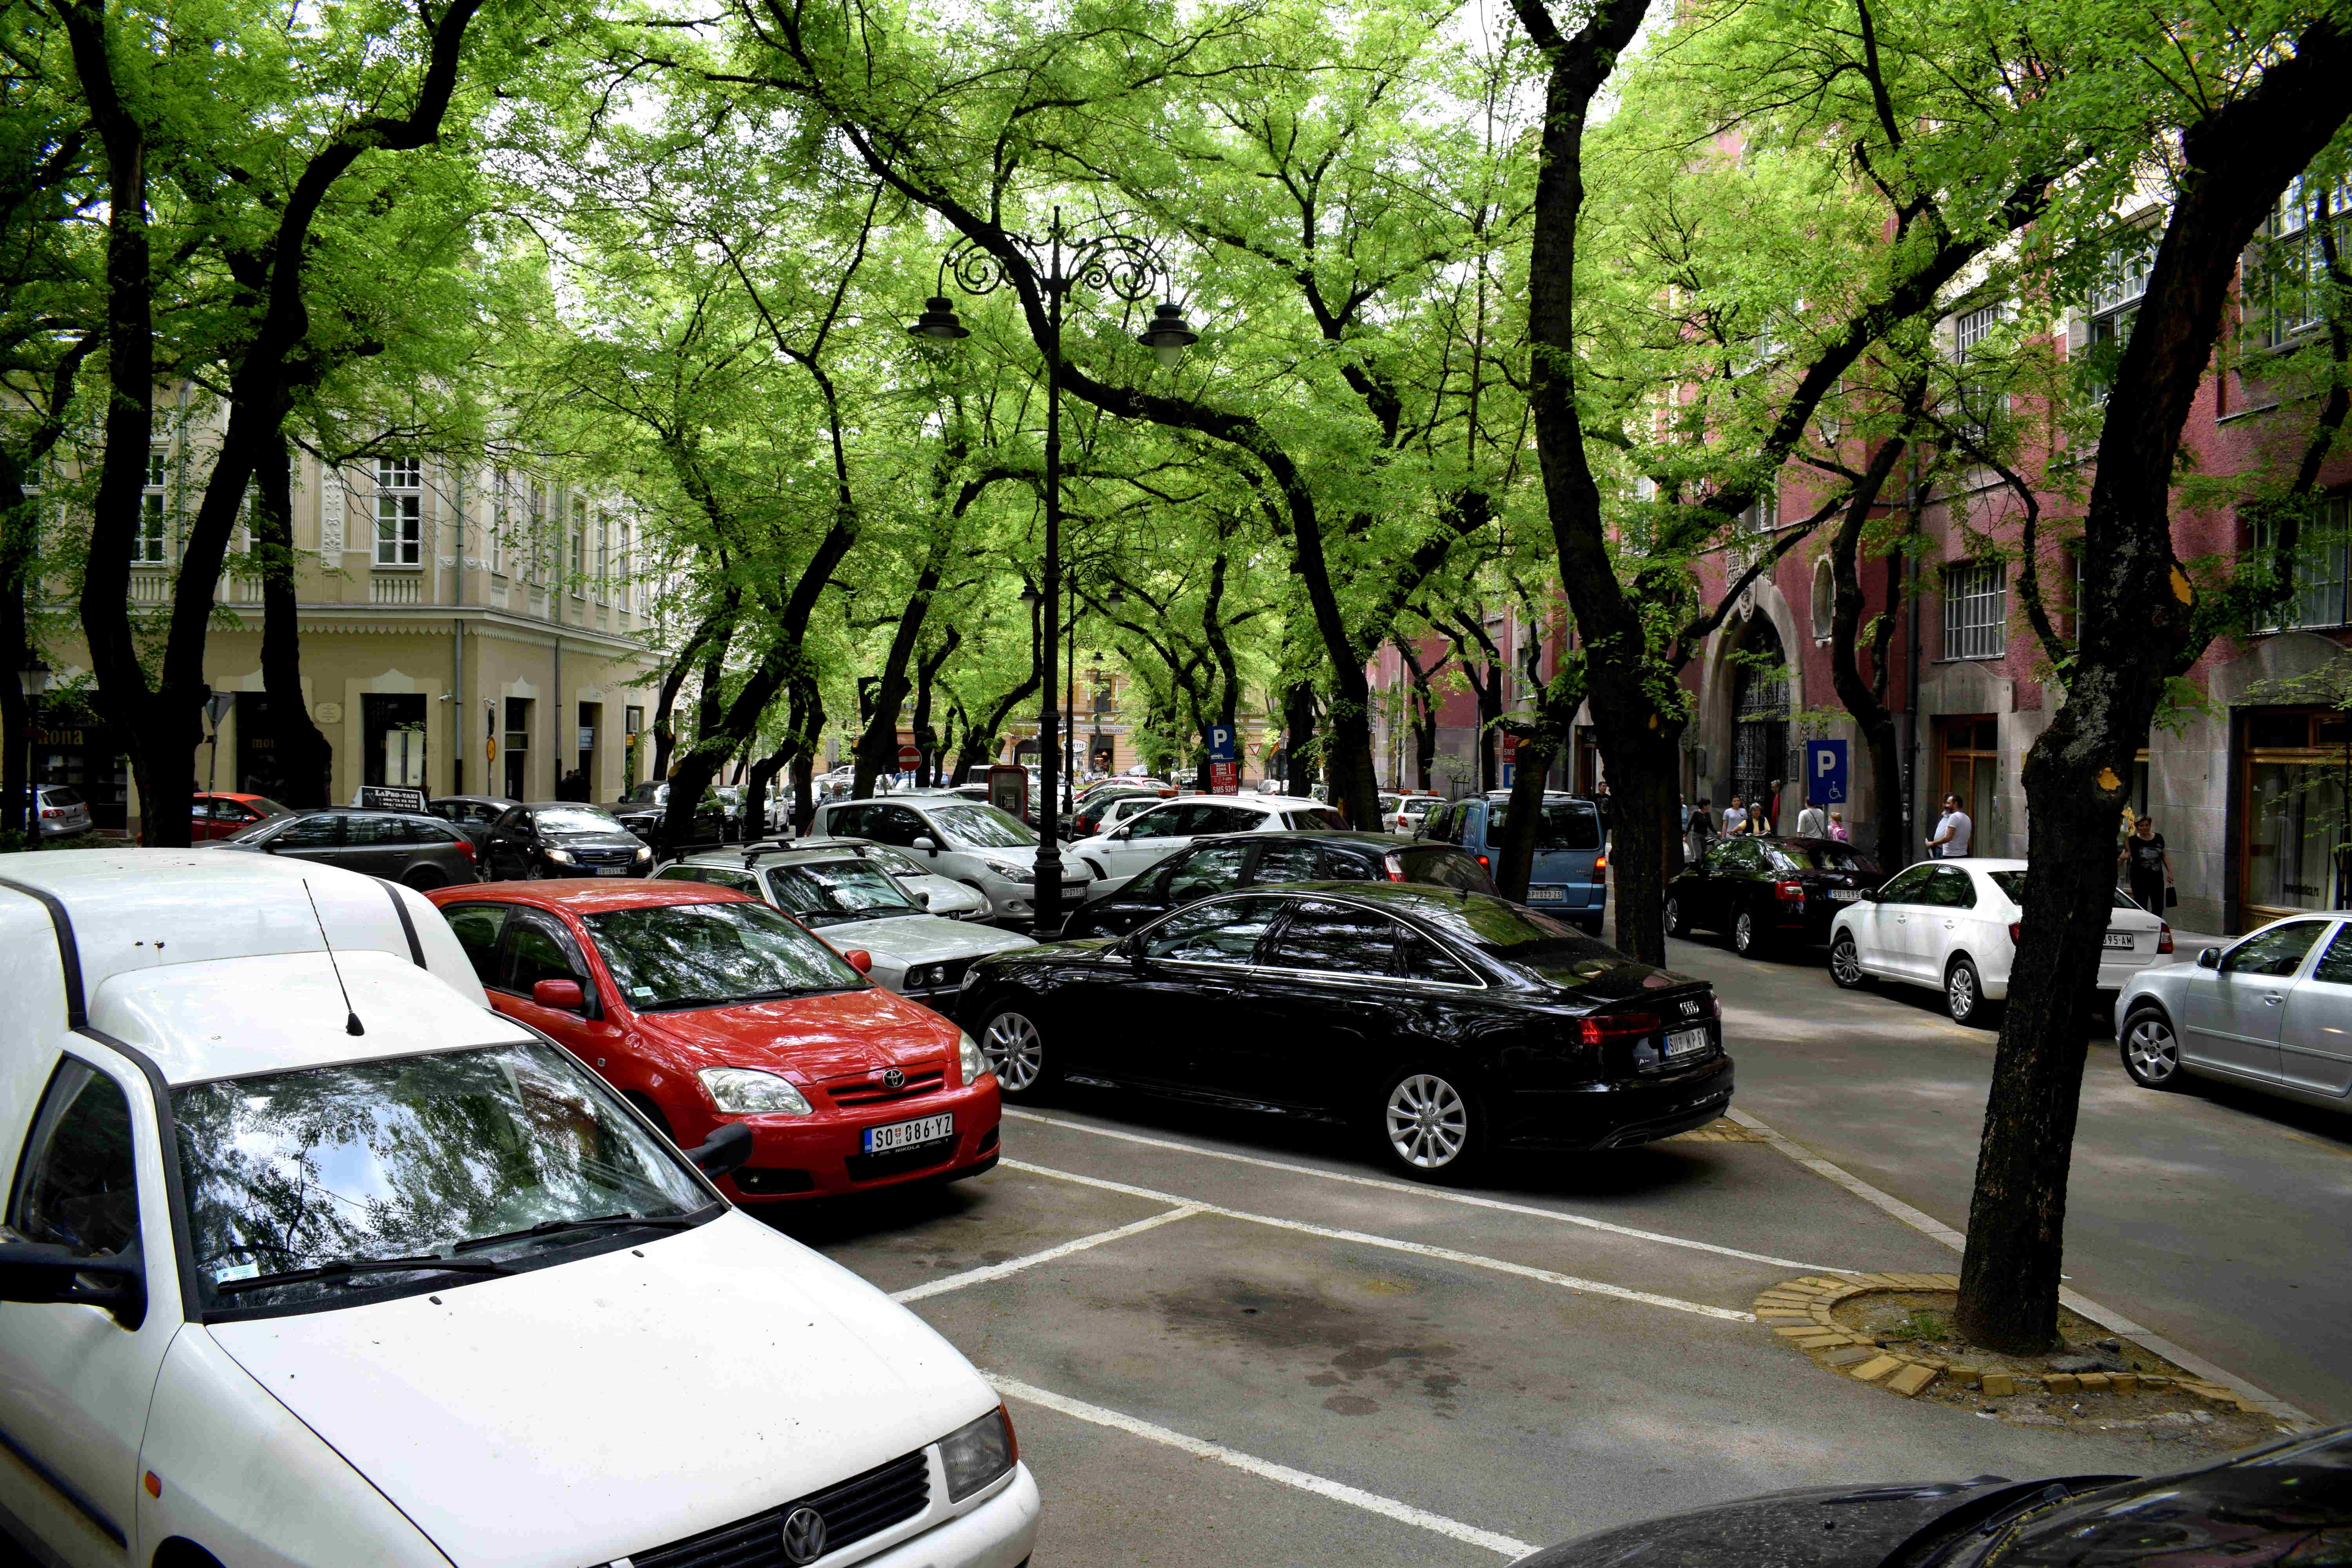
(1881, 935)
(75, 1382)
(2315, 1046)
(1952, 924)
(1149, 838)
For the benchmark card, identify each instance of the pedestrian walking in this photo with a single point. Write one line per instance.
(1735, 815)
(1813, 823)
(1700, 828)
(1953, 831)
(1837, 827)
(2149, 867)
(1771, 811)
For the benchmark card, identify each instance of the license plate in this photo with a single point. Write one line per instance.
(903, 1135)
(1684, 1042)
(2120, 938)
(1547, 895)
(612, 870)
(1844, 895)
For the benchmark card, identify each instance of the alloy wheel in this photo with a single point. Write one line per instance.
(1015, 1055)
(2151, 1053)
(1674, 926)
(1960, 996)
(1845, 962)
(1743, 935)
(1427, 1122)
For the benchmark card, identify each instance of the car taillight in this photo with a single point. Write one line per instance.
(2164, 936)
(53, 811)
(1395, 864)
(1601, 867)
(1482, 861)
(1788, 892)
(2013, 929)
(1616, 1027)
(468, 846)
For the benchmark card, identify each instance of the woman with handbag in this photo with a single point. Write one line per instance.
(2150, 867)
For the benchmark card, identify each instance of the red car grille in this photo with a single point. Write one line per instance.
(868, 1089)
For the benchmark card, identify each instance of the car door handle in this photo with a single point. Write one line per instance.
(2273, 1000)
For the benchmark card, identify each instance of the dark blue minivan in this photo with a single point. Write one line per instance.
(1571, 875)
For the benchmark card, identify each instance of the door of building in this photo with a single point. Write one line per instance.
(1759, 730)
(392, 739)
(2294, 764)
(516, 752)
(1968, 749)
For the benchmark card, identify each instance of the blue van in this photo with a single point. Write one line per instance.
(1571, 875)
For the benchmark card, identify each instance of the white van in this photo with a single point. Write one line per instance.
(311, 1257)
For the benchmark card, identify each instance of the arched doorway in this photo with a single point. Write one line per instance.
(1759, 712)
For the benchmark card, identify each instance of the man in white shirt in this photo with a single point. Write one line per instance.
(1953, 831)
(1813, 823)
(1735, 819)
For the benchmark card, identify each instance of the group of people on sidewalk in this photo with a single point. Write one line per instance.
(1760, 819)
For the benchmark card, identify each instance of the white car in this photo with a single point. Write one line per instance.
(991, 851)
(1951, 925)
(1411, 812)
(2273, 1009)
(844, 894)
(1152, 835)
(312, 1258)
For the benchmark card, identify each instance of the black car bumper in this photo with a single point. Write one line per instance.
(1619, 1112)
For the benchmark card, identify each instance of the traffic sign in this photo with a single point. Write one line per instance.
(1221, 745)
(1825, 773)
(909, 757)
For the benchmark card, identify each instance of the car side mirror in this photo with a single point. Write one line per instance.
(45, 1272)
(860, 960)
(723, 1151)
(1871, 895)
(922, 899)
(2210, 958)
(926, 844)
(561, 995)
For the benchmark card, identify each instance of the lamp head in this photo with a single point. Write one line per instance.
(939, 321)
(34, 679)
(1168, 336)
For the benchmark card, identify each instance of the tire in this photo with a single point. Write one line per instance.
(536, 872)
(1746, 937)
(1431, 1128)
(1964, 997)
(424, 879)
(1676, 926)
(1015, 1049)
(2151, 1052)
(1845, 964)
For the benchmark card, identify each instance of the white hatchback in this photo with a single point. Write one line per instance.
(1951, 925)
(314, 1259)
(1151, 835)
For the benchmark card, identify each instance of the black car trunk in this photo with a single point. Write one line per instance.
(1666, 1023)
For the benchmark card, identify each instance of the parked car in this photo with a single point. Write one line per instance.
(562, 838)
(847, 897)
(2273, 1009)
(2283, 1502)
(472, 815)
(941, 896)
(217, 814)
(1154, 833)
(1096, 808)
(1272, 860)
(970, 841)
(1449, 1026)
(643, 810)
(1769, 892)
(408, 847)
(1410, 812)
(1570, 874)
(705, 1007)
(414, 1267)
(1952, 925)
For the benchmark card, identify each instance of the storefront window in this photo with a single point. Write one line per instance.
(2296, 761)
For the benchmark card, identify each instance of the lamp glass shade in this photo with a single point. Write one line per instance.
(34, 679)
(1168, 336)
(939, 321)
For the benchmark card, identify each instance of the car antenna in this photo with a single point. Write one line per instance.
(351, 1025)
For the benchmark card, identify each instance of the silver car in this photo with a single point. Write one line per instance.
(2273, 1009)
(64, 813)
(965, 840)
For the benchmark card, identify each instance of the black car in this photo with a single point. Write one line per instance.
(1231, 860)
(562, 838)
(398, 845)
(1450, 1025)
(1767, 891)
(2284, 1502)
(647, 805)
(471, 814)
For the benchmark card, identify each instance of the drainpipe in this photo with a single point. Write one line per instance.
(555, 738)
(457, 709)
(1918, 498)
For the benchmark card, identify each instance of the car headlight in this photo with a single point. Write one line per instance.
(1011, 870)
(747, 1091)
(979, 1453)
(975, 1066)
(561, 857)
(645, 852)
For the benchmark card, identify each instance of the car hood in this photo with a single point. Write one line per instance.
(593, 841)
(1819, 1526)
(809, 1038)
(597, 1408)
(920, 939)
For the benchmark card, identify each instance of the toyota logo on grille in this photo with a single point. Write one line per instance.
(804, 1535)
(894, 1078)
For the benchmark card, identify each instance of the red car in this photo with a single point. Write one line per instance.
(706, 1006)
(216, 814)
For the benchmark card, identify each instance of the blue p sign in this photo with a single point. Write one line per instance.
(1220, 743)
(1825, 773)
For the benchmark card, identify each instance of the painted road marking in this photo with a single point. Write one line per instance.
(1564, 1218)
(1267, 1470)
(1016, 1265)
(1417, 1249)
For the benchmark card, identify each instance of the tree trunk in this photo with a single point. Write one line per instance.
(303, 757)
(877, 748)
(1297, 736)
(926, 672)
(808, 724)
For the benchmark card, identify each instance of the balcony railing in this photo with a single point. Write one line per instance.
(394, 588)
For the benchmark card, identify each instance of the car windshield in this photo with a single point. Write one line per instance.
(714, 955)
(409, 1158)
(1564, 825)
(1818, 857)
(983, 827)
(890, 860)
(2012, 887)
(575, 819)
(1445, 867)
(266, 827)
(1555, 950)
(832, 891)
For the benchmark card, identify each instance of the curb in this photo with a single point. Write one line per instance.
(1799, 1312)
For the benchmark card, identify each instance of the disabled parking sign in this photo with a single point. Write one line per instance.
(1825, 773)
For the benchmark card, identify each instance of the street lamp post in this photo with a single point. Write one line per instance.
(32, 681)
(1125, 267)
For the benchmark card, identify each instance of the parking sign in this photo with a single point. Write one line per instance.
(1825, 773)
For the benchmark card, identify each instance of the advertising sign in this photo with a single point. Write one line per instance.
(1008, 788)
(391, 797)
(1825, 773)
(1225, 778)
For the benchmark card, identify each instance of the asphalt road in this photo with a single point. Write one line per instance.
(2214, 1217)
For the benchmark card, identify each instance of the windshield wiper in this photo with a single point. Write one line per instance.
(556, 1226)
(348, 1266)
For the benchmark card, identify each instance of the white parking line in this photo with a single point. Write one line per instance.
(1438, 1194)
(1419, 1249)
(1016, 1265)
(1267, 1470)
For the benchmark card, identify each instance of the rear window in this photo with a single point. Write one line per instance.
(1314, 819)
(1551, 948)
(2012, 887)
(1443, 866)
(1820, 858)
(1565, 824)
(57, 794)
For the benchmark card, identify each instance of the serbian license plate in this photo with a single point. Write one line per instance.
(906, 1134)
(1844, 895)
(612, 870)
(1685, 1042)
(1547, 895)
(2120, 938)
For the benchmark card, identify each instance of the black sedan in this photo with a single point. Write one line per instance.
(1449, 1025)
(471, 814)
(649, 804)
(425, 852)
(1231, 860)
(2284, 1502)
(562, 838)
(1767, 891)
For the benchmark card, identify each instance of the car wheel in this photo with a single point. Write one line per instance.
(2151, 1054)
(1431, 1128)
(1016, 1050)
(1745, 939)
(538, 873)
(1845, 962)
(1675, 925)
(1964, 996)
(424, 879)
(653, 1113)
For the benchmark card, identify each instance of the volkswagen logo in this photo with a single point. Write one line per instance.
(894, 1078)
(804, 1535)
